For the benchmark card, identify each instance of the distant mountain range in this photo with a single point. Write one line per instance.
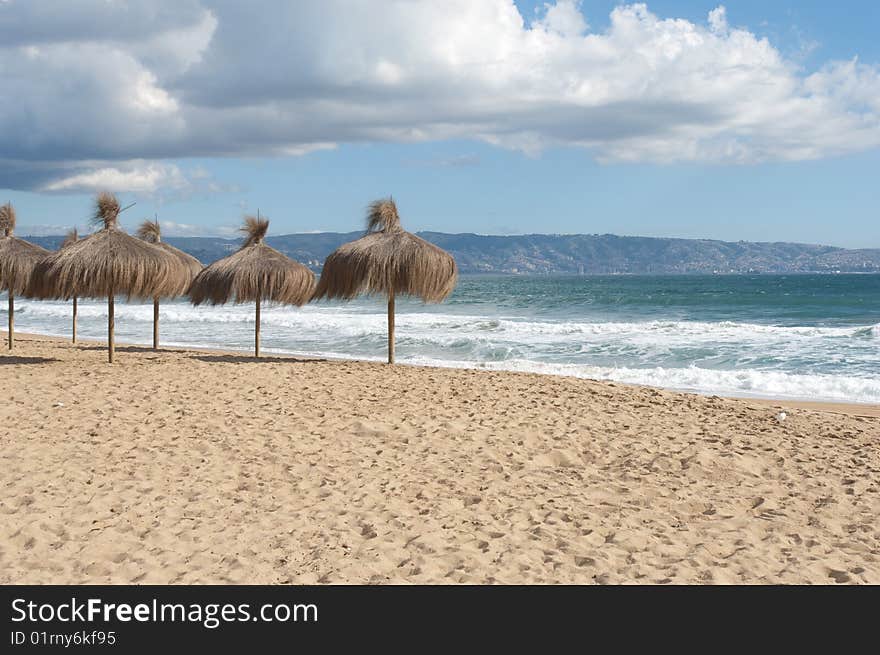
(587, 254)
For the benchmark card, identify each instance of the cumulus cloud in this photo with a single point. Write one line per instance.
(174, 229)
(564, 17)
(163, 181)
(139, 179)
(718, 19)
(86, 91)
(28, 22)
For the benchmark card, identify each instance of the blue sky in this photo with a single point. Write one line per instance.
(773, 155)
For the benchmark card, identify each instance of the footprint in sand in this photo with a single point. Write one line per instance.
(556, 458)
(839, 577)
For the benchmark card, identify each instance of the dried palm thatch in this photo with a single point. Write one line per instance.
(72, 236)
(7, 220)
(187, 269)
(255, 273)
(151, 232)
(18, 258)
(106, 263)
(388, 260)
(38, 286)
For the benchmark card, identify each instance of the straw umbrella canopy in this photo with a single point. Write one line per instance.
(107, 263)
(189, 267)
(72, 236)
(390, 261)
(39, 287)
(255, 273)
(17, 261)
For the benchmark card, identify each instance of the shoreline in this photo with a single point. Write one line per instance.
(867, 410)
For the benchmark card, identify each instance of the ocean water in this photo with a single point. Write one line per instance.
(811, 337)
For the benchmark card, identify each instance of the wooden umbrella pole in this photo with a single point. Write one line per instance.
(73, 338)
(155, 323)
(391, 327)
(110, 325)
(257, 328)
(11, 317)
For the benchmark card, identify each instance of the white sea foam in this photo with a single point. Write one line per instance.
(811, 362)
(362, 321)
(748, 383)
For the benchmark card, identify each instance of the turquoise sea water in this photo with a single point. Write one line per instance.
(797, 336)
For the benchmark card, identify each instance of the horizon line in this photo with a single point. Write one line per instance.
(503, 236)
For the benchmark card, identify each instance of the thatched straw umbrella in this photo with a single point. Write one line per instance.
(106, 263)
(17, 261)
(253, 274)
(389, 261)
(39, 286)
(151, 232)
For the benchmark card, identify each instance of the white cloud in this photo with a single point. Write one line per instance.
(564, 17)
(147, 178)
(304, 149)
(215, 79)
(173, 229)
(718, 19)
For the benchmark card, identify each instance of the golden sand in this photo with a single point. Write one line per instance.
(188, 467)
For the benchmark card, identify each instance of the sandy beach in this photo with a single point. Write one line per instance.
(202, 467)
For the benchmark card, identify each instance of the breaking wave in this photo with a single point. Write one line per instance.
(820, 362)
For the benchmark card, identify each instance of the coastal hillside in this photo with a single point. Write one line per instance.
(587, 254)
